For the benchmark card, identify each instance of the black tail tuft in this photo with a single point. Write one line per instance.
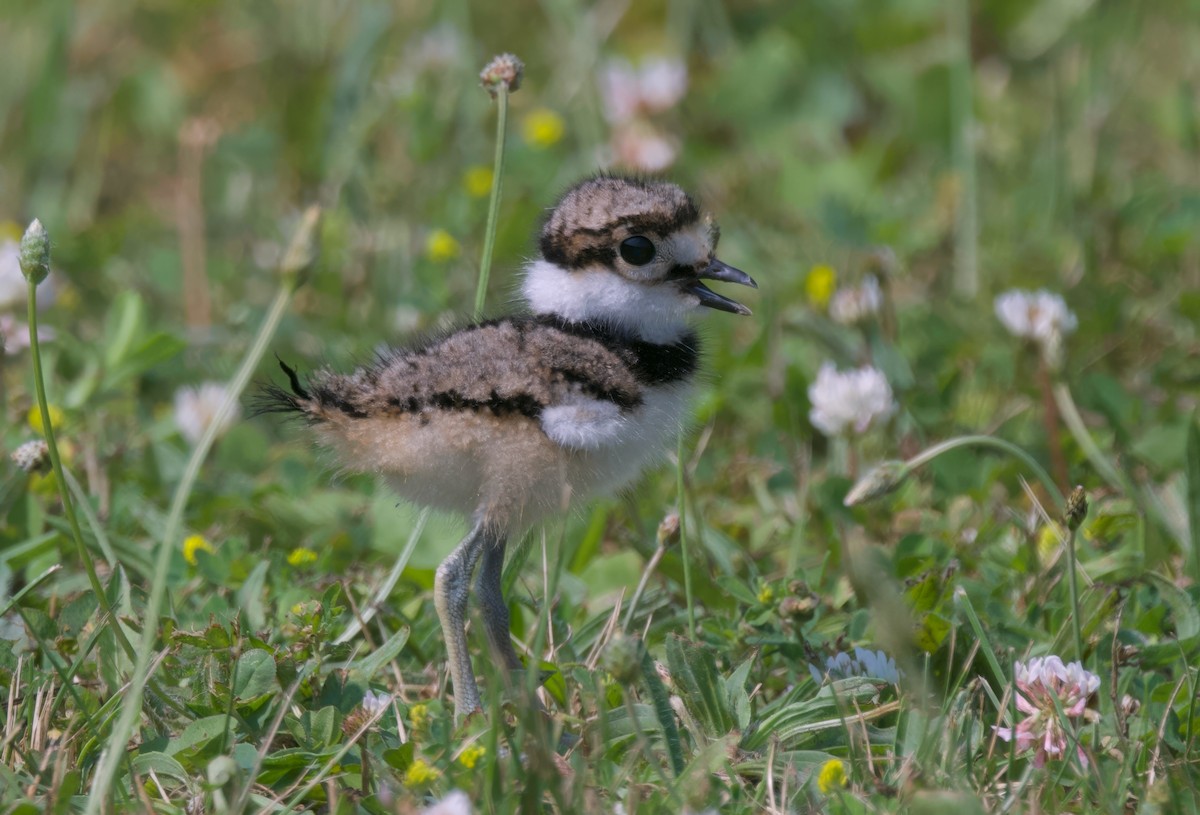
(273, 399)
(294, 379)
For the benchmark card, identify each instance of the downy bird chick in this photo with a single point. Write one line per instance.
(507, 421)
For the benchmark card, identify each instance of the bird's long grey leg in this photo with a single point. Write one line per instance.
(451, 589)
(491, 601)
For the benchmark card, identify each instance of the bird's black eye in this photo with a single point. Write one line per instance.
(637, 251)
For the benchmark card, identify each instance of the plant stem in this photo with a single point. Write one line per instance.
(489, 235)
(966, 231)
(683, 541)
(89, 566)
(1109, 471)
(1058, 464)
(927, 455)
(132, 706)
(1073, 586)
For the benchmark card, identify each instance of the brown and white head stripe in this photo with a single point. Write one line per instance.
(629, 254)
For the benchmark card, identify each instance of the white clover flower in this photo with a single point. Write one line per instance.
(619, 90)
(642, 148)
(456, 802)
(1040, 315)
(375, 703)
(196, 407)
(853, 400)
(855, 304)
(627, 91)
(663, 82)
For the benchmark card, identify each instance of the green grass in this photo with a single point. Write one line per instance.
(986, 145)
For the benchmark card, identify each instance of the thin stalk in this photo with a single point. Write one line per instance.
(1058, 463)
(964, 602)
(385, 588)
(33, 584)
(1074, 422)
(927, 455)
(489, 235)
(684, 549)
(966, 231)
(1115, 478)
(89, 566)
(132, 706)
(1073, 586)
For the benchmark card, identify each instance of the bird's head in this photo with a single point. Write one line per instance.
(629, 254)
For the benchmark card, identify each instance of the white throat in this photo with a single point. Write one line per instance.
(655, 314)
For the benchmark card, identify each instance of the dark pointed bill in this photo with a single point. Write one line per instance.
(716, 270)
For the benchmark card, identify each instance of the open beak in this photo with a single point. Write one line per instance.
(716, 270)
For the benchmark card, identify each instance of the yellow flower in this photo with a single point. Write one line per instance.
(301, 556)
(441, 246)
(820, 285)
(10, 231)
(765, 594)
(832, 776)
(418, 716)
(44, 485)
(57, 417)
(542, 128)
(478, 180)
(1049, 538)
(193, 544)
(419, 773)
(471, 755)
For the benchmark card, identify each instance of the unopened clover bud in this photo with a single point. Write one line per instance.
(504, 71)
(623, 658)
(35, 253)
(668, 530)
(1077, 507)
(882, 479)
(799, 608)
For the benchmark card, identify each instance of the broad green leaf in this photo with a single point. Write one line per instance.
(369, 665)
(160, 764)
(822, 712)
(126, 317)
(198, 732)
(1187, 626)
(739, 699)
(738, 589)
(323, 726)
(249, 596)
(694, 671)
(399, 758)
(1187, 616)
(255, 675)
(663, 711)
(150, 352)
(21, 553)
(932, 632)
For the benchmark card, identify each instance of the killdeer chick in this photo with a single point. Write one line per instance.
(507, 420)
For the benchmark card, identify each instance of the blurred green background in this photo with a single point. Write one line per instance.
(953, 149)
